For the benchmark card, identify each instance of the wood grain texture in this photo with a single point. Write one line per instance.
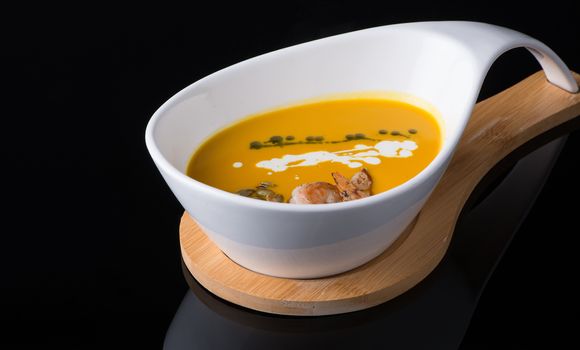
(498, 126)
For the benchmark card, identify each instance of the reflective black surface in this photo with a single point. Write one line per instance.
(434, 315)
(89, 252)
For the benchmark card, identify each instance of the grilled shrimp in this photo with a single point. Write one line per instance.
(362, 180)
(356, 188)
(359, 186)
(315, 193)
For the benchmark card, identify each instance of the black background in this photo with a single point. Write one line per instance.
(89, 251)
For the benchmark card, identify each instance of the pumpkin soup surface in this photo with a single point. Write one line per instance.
(279, 150)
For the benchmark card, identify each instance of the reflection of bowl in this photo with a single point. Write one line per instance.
(442, 63)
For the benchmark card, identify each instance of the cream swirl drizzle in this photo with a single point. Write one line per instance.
(353, 158)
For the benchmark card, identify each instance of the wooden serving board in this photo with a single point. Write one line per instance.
(498, 126)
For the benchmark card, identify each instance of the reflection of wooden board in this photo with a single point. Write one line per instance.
(498, 126)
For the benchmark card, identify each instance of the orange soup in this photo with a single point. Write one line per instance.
(279, 150)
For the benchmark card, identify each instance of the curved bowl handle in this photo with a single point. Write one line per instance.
(488, 42)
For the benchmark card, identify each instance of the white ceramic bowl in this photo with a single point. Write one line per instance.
(443, 63)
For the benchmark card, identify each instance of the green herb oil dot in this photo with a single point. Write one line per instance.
(256, 145)
(276, 139)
